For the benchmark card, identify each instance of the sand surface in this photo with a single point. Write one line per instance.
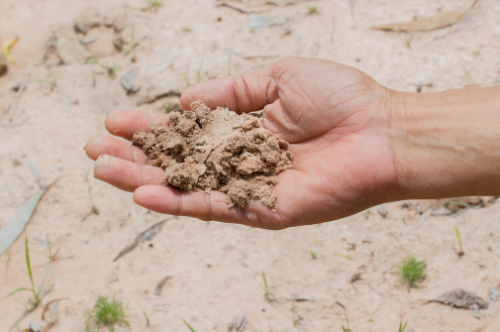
(216, 269)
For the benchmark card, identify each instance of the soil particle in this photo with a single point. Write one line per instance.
(97, 141)
(103, 161)
(221, 150)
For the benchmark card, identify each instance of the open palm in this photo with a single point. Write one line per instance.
(333, 116)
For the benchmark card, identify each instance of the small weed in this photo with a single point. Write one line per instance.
(198, 72)
(186, 29)
(269, 294)
(131, 42)
(490, 247)
(346, 328)
(345, 256)
(52, 256)
(152, 5)
(36, 299)
(189, 326)
(402, 327)
(312, 9)
(52, 83)
(314, 254)
(166, 107)
(147, 316)
(186, 79)
(110, 69)
(412, 270)
(459, 239)
(107, 313)
(94, 209)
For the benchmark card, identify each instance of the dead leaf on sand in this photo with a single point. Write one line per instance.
(160, 285)
(462, 299)
(432, 23)
(282, 2)
(5, 56)
(147, 235)
(6, 48)
(68, 47)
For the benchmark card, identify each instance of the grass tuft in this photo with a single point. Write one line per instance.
(107, 313)
(312, 9)
(269, 294)
(459, 239)
(52, 83)
(35, 301)
(412, 270)
(402, 327)
(189, 326)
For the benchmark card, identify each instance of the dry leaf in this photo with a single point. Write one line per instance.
(282, 2)
(435, 22)
(147, 235)
(6, 48)
(3, 64)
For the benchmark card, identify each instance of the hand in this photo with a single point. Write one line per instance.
(329, 113)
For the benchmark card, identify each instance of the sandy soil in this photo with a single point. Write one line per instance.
(217, 268)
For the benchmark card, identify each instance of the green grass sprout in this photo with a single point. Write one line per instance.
(52, 83)
(402, 327)
(107, 313)
(412, 270)
(312, 9)
(457, 233)
(36, 299)
(189, 326)
(269, 294)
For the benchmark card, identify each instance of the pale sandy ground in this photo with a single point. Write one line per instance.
(217, 269)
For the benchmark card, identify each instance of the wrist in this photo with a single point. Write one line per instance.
(445, 144)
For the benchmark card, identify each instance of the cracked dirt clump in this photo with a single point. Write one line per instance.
(221, 150)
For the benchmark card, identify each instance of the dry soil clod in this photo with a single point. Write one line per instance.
(204, 150)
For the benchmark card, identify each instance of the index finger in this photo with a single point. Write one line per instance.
(240, 93)
(126, 123)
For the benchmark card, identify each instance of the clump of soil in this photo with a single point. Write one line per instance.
(203, 149)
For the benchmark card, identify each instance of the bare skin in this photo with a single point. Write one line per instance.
(356, 144)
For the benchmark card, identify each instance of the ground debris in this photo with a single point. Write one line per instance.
(127, 81)
(282, 2)
(13, 108)
(147, 235)
(237, 324)
(303, 298)
(68, 48)
(260, 21)
(461, 299)
(432, 23)
(223, 4)
(160, 285)
(382, 210)
(15, 227)
(355, 277)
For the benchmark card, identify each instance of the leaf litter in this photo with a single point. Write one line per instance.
(432, 23)
(15, 227)
(147, 235)
(462, 299)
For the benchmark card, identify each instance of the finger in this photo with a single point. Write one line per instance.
(205, 206)
(100, 145)
(240, 93)
(126, 175)
(126, 123)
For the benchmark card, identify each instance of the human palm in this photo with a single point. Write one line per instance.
(333, 116)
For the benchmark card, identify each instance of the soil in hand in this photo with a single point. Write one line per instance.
(203, 149)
